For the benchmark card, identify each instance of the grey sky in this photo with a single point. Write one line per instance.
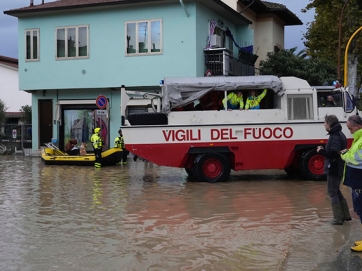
(9, 25)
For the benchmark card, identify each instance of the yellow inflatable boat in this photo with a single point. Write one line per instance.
(54, 156)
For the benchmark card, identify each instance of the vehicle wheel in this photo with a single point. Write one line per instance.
(312, 165)
(157, 118)
(189, 172)
(211, 167)
(292, 171)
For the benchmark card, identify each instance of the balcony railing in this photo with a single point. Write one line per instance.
(220, 61)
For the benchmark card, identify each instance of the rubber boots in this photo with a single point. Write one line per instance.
(337, 214)
(345, 210)
(358, 243)
(358, 247)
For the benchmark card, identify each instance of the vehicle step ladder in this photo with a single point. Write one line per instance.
(57, 151)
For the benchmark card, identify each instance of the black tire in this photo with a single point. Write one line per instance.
(211, 167)
(189, 172)
(312, 165)
(157, 118)
(292, 171)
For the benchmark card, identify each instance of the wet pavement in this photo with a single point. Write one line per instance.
(143, 217)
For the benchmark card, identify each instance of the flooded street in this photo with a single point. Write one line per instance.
(144, 217)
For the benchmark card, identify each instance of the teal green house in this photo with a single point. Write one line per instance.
(75, 55)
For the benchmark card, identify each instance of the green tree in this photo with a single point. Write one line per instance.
(26, 116)
(322, 36)
(3, 109)
(287, 63)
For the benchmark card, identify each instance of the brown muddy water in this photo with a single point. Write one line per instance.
(144, 217)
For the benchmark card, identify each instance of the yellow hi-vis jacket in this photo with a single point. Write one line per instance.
(119, 142)
(97, 141)
(352, 175)
(254, 102)
(234, 99)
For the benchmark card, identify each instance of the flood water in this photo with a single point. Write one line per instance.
(144, 217)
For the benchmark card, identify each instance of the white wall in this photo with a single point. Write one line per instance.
(10, 94)
(270, 31)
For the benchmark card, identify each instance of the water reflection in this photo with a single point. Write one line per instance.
(143, 217)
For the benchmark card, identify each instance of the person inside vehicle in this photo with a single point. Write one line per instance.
(208, 102)
(71, 147)
(330, 101)
(253, 101)
(233, 101)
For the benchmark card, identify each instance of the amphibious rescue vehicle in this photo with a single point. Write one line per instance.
(184, 124)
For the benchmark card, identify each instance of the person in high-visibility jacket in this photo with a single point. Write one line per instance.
(353, 169)
(253, 102)
(119, 143)
(97, 143)
(233, 101)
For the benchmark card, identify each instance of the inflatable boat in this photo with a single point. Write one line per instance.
(53, 156)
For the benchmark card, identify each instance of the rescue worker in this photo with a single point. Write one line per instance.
(233, 101)
(253, 102)
(119, 143)
(97, 143)
(353, 169)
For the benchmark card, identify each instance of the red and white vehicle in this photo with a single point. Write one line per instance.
(166, 128)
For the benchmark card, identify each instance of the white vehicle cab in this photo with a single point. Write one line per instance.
(185, 125)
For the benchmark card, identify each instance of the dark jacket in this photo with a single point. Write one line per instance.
(333, 164)
(69, 147)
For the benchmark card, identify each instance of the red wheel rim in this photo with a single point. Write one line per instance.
(212, 168)
(316, 164)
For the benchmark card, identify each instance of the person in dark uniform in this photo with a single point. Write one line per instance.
(333, 167)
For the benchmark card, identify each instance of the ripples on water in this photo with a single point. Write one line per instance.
(144, 217)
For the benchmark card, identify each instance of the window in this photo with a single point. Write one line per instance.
(329, 99)
(300, 107)
(32, 45)
(349, 104)
(72, 42)
(144, 37)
